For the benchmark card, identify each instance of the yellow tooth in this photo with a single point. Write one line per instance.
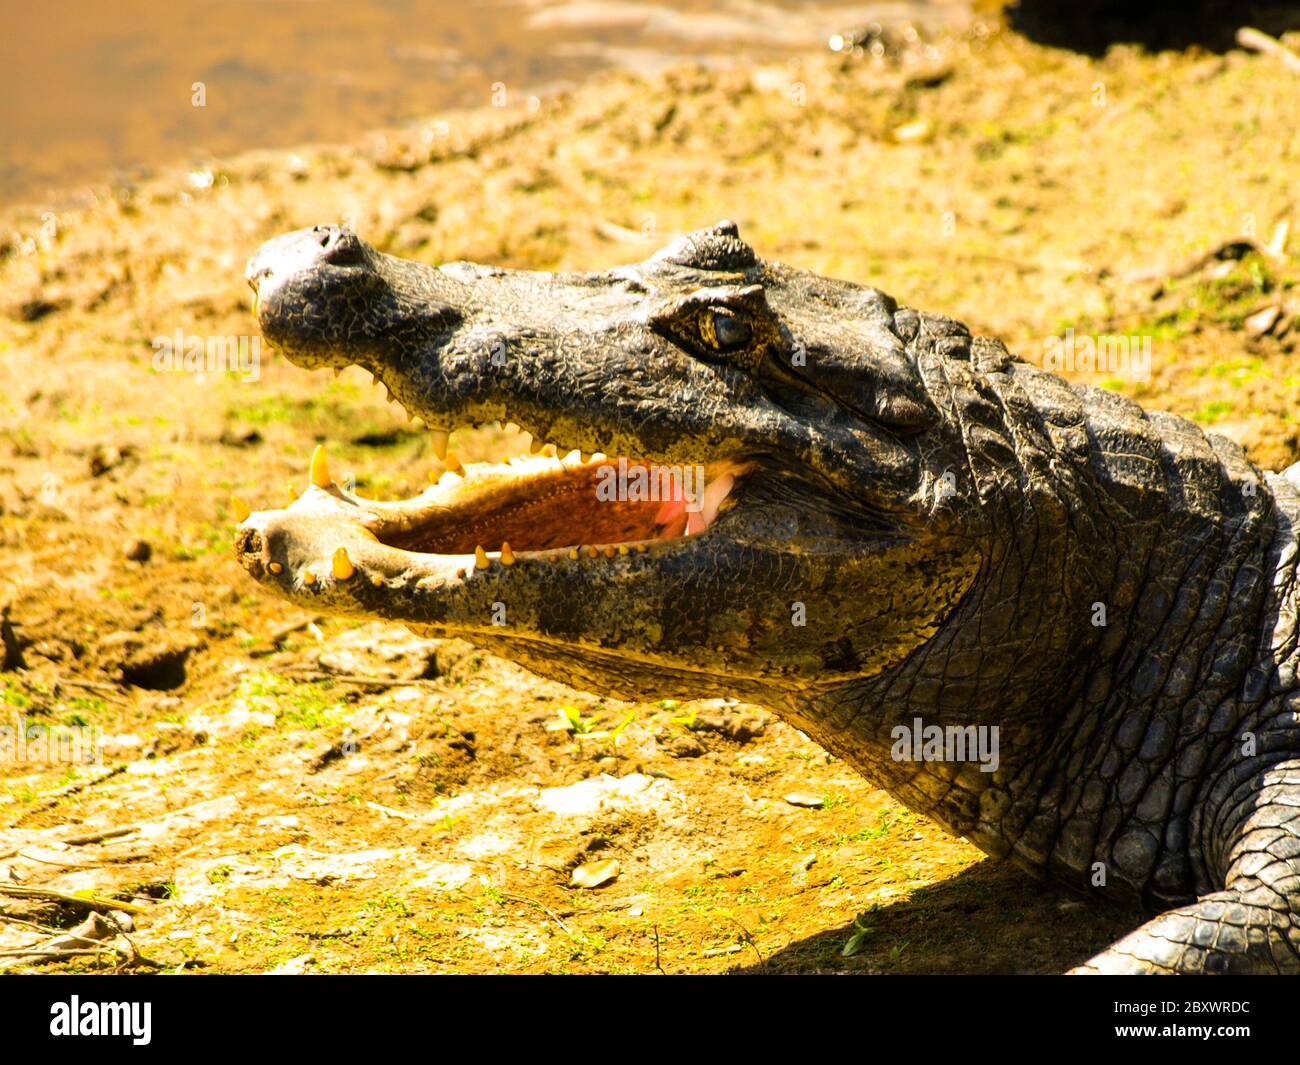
(622, 549)
(242, 510)
(342, 565)
(452, 462)
(609, 552)
(507, 556)
(366, 532)
(480, 558)
(573, 553)
(308, 577)
(276, 567)
(583, 458)
(257, 300)
(320, 468)
(593, 551)
(440, 443)
(642, 548)
(376, 579)
(550, 451)
(293, 496)
(338, 372)
(535, 445)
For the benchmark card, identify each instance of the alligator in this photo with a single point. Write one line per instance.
(901, 539)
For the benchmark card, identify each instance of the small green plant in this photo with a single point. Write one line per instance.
(860, 932)
(572, 720)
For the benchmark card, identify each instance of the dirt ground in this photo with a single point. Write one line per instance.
(283, 792)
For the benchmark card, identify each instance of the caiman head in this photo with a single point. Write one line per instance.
(767, 483)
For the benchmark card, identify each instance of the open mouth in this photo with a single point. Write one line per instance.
(539, 506)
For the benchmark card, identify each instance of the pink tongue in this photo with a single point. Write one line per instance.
(670, 511)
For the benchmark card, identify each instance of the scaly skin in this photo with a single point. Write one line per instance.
(905, 523)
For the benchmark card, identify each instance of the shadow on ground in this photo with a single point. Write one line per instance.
(1092, 27)
(947, 928)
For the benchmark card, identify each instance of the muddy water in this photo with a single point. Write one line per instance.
(92, 90)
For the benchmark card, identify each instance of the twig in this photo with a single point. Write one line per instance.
(390, 812)
(1258, 41)
(657, 965)
(94, 902)
(94, 685)
(1236, 248)
(102, 949)
(61, 865)
(349, 678)
(541, 906)
(748, 939)
(99, 837)
(52, 797)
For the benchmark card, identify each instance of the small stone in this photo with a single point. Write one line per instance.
(922, 129)
(595, 874)
(139, 551)
(805, 798)
(1263, 321)
(683, 745)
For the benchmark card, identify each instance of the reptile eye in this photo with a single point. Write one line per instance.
(729, 331)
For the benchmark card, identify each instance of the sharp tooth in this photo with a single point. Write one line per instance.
(376, 579)
(714, 494)
(593, 551)
(452, 462)
(507, 556)
(308, 577)
(242, 510)
(535, 445)
(338, 372)
(374, 380)
(573, 553)
(440, 443)
(276, 567)
(609, 552)
(388, 394)
(622, 549)
(550, 451)
(293, 496)
(320, 468)
(584, 458)
(342, 565)
(480, 558)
